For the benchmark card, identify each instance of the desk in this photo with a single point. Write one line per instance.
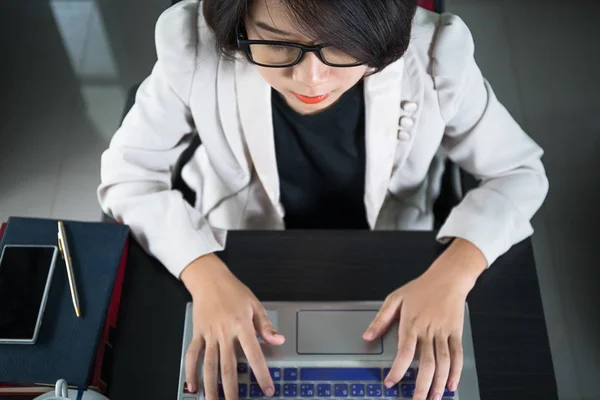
(509, 332)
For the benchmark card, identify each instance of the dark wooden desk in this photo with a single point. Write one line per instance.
(509, 332)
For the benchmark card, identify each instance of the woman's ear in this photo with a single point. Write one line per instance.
(370, 71)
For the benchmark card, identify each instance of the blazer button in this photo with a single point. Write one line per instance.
(410, 106)
(403, 135)
(406, 123)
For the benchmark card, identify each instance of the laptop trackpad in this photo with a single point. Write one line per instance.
(335, 332)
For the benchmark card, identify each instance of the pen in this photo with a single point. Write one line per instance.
(66, 255)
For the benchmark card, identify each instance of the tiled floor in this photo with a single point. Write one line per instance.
(63, 91)
(63, 84)
(541, 57)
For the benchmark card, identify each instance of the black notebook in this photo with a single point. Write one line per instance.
(66, 345)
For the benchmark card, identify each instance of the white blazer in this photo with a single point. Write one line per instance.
(436, 88)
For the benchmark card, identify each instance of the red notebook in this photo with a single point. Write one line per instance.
(100, 372)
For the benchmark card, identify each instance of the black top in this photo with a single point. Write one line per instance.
(321, 163)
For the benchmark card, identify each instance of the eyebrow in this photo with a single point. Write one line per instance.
(269, 28)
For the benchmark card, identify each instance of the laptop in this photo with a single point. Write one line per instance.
(325, 357)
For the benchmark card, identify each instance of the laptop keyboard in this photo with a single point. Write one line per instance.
(324, 383)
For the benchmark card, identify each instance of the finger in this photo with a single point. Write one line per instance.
(407, 344)
(456, 362)
(210, 371)
(192, 356)
(442, 367)
(256, 359)
(265, 328)
(228, 370)
(426, 368)
(384, 318)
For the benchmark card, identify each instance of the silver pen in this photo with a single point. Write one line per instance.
(66, 255)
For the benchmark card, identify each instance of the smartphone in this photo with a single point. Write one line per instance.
(25, 278)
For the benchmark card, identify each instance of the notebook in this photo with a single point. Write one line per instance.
(69, 347)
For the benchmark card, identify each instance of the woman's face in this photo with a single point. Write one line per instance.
(310, 86)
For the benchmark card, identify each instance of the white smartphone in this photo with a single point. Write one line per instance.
(25, 278)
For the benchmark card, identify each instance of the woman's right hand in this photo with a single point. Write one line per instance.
(225, 311)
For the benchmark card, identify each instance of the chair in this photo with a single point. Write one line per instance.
(453, 184)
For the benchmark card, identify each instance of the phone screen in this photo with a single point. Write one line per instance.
(24, 272)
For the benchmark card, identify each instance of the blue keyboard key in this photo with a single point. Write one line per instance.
(242, 368)
(256, 391)
(448, 394)
(357, 390)
(408, 376)
(307, 390)
(275, 374)
(386, 371)
(341, 374)
(290, 374)
(277, 390)
(290, 390)
(392, 392)
(341, 390)
(324, 390)
(374, 390)
(242, 390)
(407, 389)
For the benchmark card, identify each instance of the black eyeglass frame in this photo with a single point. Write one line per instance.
(244, 45)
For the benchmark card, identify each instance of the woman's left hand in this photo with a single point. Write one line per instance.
(431, 311)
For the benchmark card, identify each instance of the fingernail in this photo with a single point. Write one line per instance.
(453, 386)
(389, 384)
(270, 392)
(191, 388)
(437, 397)
(369, 335)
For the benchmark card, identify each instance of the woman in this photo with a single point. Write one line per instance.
(318, 114)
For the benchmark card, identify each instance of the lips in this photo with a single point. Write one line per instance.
(311, 99)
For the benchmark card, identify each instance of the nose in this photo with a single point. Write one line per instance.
(310, 71)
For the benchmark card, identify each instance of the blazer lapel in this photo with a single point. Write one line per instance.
(391, 96)
(254, 104)
(229, 119)
(382, 112)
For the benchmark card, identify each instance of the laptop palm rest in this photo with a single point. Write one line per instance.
(335, 332)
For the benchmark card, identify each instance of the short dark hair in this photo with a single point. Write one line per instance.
(374, 32)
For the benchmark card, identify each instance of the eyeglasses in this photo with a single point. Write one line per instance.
(275, 54)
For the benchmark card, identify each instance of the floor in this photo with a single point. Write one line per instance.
(540, 56)
(64, 84)
(64, 92)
